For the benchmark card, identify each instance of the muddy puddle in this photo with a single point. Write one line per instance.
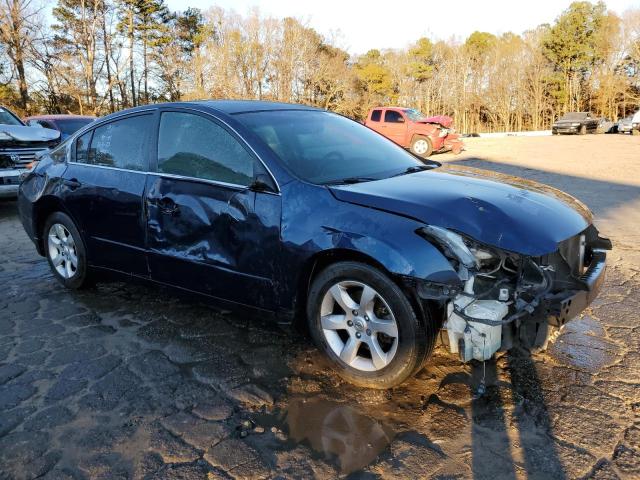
(583, 344)
(337, 432)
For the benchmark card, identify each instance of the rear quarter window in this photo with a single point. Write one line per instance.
(375, 115)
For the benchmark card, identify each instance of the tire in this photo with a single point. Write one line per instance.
(73, 275)
(635, 132)
(421, 146)
(401, 356)
(583, 130)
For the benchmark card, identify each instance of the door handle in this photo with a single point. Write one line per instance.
(168, 206)
(72, 183)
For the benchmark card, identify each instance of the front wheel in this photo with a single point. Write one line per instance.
(366, 326)
(65, 251)
(422, 147)
(583, 130)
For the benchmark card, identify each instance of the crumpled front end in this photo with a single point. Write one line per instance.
(507, 299)
(453, 143)
(20, 147)
(447, 138)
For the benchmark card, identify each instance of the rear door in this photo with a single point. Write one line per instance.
(395, 126)
(207, 230)
(103, 190)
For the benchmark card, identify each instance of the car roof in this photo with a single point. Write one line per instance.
(244, 106)
(59, 116)
(228, 107)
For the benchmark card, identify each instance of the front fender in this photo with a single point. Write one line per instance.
(323, 224)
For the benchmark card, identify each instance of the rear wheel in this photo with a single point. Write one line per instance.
(65, 251)
(421, 146)
(366, 326)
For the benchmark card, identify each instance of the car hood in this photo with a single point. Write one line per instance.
(20, 133)
(500, 210)
(568, 122)
(443, 120)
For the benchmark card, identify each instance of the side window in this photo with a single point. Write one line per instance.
(120, 144)
(391, 116)
(193, 146)
(80, 154)
(375, 115)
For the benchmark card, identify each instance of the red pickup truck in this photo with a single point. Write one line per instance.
(411, 129)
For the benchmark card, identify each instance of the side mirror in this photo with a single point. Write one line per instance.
(262, 183)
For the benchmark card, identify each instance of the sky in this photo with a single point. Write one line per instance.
(363, 25)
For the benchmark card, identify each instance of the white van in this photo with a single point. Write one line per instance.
(635, 123)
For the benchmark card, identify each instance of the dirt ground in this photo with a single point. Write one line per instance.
(129, 381)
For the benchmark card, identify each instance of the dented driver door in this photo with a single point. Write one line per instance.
(207, 230)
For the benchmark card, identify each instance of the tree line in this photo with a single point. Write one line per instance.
(100, 56)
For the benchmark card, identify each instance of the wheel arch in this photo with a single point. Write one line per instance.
(416, 135)
(321, 260)
(43, 209)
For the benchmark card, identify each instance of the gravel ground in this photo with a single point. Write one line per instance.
(131, 381)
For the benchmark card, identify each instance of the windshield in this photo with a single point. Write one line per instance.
(573, 116)
(8, 118)
(414, 115)
(323, 148)
(69, 126)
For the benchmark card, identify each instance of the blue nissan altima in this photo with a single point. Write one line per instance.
(300, 213)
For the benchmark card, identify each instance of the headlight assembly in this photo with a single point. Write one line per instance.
(451, 242)
(466, 251)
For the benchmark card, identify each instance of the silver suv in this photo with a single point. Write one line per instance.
(19, 147)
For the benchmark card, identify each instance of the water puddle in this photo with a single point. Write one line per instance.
(340, 433)
(582, 344)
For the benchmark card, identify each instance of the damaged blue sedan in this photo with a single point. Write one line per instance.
(300, 213)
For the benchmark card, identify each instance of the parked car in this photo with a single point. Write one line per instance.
(411, 129)
(607, 126)
(625, 125)
(575, 122)
(65, 124)
(301, 213)
(19, 146)
(630, 124)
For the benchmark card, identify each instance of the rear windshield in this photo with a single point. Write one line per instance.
(8, 118)
(322, 147)
(69, 126)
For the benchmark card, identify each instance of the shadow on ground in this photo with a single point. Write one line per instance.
(601, 196)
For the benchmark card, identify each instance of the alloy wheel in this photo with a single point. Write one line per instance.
(62, 251)
(421, 147)
(359, 326)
